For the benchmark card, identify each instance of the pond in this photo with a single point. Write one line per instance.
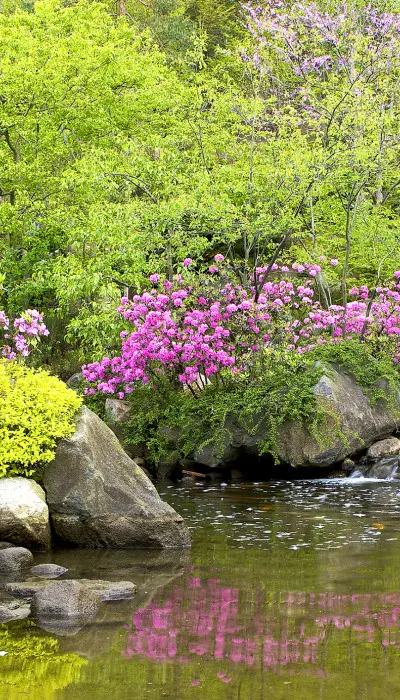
(291, 591)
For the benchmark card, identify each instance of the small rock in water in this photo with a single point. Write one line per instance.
(111, 590)
(13, 560)
(104, 590)
(48, 570)
(65, 601)
(384, 448)
(384, 469)
(348, 465)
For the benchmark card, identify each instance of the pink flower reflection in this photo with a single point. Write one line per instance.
(282, 631)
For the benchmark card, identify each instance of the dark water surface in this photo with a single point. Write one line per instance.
(291, 591)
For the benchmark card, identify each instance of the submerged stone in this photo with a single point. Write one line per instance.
(14, 610)
(104, 590)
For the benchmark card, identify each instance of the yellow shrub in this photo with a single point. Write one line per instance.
(36, 410)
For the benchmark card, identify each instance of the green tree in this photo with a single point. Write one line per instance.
(87, 105)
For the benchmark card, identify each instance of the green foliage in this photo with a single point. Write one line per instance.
(129, 143)
(86, 103)
(169, 419)
(36, 410)
(172, 23)
(371, 367)
(172, 424)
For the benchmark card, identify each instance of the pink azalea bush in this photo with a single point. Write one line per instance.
(18, 337)
(197, 330)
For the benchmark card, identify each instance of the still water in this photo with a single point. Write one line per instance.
(291, 591)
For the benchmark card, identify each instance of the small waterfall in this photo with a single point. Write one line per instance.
(357, 474)
(385, 469)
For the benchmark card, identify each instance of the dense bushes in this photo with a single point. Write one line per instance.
(172, 425)
(201, 329)
(36, 410)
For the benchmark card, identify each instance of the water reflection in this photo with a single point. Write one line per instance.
(206, 619)
(291, 592)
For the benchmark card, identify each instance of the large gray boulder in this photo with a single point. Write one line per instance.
(24, 515)
(351, 423)
(99, 497)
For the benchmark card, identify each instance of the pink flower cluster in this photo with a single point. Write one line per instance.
(196, 333)
(22, 335)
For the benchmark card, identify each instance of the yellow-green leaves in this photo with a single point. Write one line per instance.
(36, 410)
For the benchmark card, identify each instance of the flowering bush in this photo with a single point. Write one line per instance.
(199, 330)
(18, 338)
(315, 41)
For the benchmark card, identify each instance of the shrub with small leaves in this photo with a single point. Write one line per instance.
(36, 410)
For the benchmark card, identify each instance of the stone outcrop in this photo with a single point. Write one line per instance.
(351, 424)
(24, 515)
(117, 412)
(75, 381)
(99, 497)
(116, 415)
